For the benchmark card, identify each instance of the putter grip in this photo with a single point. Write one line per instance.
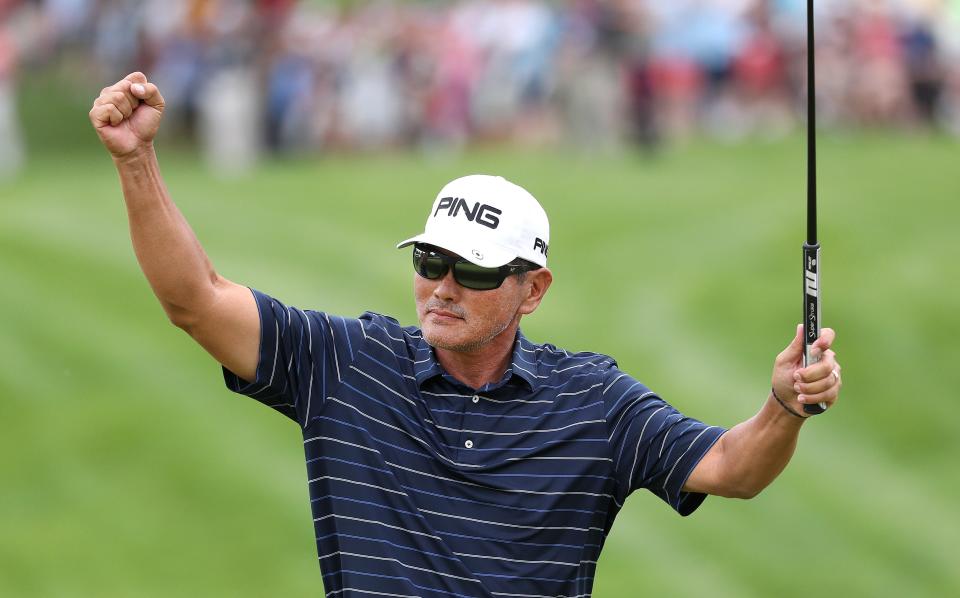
(811, 311)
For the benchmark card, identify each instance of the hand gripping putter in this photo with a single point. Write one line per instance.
(811, 247)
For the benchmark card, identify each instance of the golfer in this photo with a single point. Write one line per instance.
(458, 458)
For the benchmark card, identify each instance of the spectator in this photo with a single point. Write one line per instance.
(593, 72)
(11, 142)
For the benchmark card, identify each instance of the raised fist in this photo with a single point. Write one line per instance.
(127, 115)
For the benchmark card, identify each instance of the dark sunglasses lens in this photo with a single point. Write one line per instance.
(477, 277)
(433, 265)
(429, 264)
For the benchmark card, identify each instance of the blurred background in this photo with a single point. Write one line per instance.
(243, 78)
(666, 141)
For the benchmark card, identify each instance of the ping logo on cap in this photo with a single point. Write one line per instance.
(480, 213)
(540, 245)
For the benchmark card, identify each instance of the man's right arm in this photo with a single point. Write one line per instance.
(220, 315)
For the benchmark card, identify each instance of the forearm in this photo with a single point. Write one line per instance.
(754, 452)
(169, 253)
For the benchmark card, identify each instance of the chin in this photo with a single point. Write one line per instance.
(442, 339)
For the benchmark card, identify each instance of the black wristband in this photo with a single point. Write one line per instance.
(785, 406)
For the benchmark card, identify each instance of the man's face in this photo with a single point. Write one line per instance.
(456, 318)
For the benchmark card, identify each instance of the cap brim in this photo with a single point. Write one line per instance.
(488, 257)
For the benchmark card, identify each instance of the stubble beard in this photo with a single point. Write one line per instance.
(472, 345)
(438, 340)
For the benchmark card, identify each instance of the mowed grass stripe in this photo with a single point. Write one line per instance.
(102, 453)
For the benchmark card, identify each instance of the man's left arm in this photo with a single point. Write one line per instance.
(753, 453)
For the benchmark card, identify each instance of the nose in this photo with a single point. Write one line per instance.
(447, 288)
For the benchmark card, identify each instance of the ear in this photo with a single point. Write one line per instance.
(536, 283)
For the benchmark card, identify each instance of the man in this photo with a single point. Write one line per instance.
(457, 459)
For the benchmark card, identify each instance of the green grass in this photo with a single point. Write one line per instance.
(129, 470)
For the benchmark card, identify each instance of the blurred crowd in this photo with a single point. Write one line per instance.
(288, 75)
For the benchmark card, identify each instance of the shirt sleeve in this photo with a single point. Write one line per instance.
(653, 445)
(302, 355)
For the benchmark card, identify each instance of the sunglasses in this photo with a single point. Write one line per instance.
(432, 264)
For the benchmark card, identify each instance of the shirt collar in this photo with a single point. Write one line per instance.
(522, 363)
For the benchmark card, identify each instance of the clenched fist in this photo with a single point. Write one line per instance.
(127, 115)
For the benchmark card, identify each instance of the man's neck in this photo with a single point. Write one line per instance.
(483, 365)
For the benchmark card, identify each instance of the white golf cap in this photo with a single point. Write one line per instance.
(487, 220)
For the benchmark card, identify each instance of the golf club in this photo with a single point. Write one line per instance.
(811, 247)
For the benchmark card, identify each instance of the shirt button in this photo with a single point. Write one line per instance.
(476, 398)
(468, 444)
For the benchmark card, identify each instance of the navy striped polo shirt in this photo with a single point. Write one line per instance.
(423, 486)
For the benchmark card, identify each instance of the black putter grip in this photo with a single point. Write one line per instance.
(811, 311)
